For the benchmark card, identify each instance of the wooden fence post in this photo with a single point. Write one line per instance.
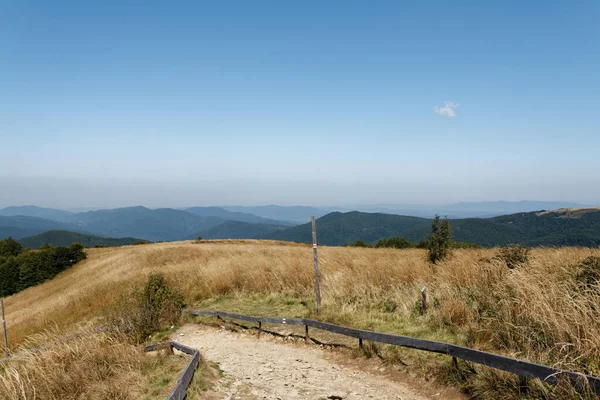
(259, 329)
(424, 300)
(316, 262)
(306, 337)
(4, 327)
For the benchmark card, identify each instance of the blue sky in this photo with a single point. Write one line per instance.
(117, 103)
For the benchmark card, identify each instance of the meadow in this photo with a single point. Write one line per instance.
(543, 309)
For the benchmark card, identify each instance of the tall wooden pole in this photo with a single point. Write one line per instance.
(316, 261)
(4, 326)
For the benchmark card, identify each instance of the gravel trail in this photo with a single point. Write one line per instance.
(267, 368)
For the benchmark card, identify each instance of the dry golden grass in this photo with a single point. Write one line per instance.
(92, 366)
(534, 312)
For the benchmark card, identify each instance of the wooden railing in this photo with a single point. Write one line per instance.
(179, 392)
(513, 365)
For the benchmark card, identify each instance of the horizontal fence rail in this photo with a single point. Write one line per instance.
(179, 392)
(513, 365)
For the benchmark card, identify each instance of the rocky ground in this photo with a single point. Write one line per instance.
(275, 368)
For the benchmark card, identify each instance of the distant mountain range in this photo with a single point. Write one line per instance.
(295, 214)
(555, 228)
(65, 238)
(335, 228)
(484, 209)
(165, 224)
(238, 230)
(229, 215)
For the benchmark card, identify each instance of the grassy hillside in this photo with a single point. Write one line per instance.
(475, 300)
(65, 238)
(557, 228)
(238, 230)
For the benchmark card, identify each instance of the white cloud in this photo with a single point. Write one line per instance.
(447, 110)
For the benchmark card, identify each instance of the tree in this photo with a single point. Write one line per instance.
(440, 240)
(10, 247)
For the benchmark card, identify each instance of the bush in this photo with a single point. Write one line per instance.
(466, 245)
(149, 309)
(395, 242)
(440, 240)
(359, 243)
(199, 238)
(514, 256)
(589, 274)
(423, 244)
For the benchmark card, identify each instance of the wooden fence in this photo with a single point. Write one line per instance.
(513, 365)
(179, 392)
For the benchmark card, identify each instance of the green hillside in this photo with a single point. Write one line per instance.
(557, 228)
(338, 229)
(238, 230)
(160, 224)
(65, 238)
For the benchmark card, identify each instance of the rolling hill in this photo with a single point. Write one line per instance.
(238, 230)
(22, 226)
(65, 238)
(576, 227)
(296, 214)
(337, 229)
(38, 212)
(555, 228)
(234, 215)
(161, 224)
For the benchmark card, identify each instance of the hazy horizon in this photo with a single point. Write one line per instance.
(117, 103)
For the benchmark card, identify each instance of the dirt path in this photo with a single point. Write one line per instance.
(270, 369)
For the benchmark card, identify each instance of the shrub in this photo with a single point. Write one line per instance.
(360, 243)
(514, 256)
(394, 242)
(440, 240)
(589, 274)
(149, 309)
(199, 238)
(466, 245)
(423, 244)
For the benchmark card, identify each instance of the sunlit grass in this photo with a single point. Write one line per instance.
(534, 312)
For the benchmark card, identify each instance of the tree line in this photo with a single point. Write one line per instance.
(21, 268)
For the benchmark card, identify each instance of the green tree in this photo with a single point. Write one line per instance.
(440, 240)
(10, 247)
(9, 277)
